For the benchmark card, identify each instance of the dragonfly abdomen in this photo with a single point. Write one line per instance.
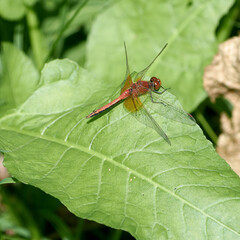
(123, 96)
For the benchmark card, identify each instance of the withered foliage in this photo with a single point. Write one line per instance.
(222, 78)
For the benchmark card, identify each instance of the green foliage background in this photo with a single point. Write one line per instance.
(59, 60)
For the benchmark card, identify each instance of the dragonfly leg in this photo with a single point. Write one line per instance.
(164, 104)
(161, 92)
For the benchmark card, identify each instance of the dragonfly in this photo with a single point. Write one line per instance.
(136, 92)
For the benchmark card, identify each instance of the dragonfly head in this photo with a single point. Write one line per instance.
(156, 83)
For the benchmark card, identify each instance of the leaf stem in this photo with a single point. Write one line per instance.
(228, 23)
(35, 38)
(54, 45)
(79, 229)
(115, 234)
(207, 127)
(18, 37)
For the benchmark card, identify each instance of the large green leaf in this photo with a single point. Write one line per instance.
(188, 26)
(13, 10)
(19, 79)
(114, 170)
(51, 25)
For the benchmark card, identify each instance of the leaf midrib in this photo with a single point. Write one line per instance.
(186, 22)
(127, 169)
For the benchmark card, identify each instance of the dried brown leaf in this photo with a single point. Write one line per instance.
(222, 78)
(3, 171)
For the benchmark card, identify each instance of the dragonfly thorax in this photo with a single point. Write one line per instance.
(156, 83)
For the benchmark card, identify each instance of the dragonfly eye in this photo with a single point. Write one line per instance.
(156, 83)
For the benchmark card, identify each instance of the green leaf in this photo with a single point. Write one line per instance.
(7, 180)
(76, 53)
(189, 28)
(30, 2)
(12, 10)
(114, 170)
(51, 25)
(19, 79)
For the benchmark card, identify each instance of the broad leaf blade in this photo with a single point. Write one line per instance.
(12, 10)
(115, 171)
(20, 78)
(187, 26)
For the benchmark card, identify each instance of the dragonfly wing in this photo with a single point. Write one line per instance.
(124, 85)
(144, 117)
(142, 73)
(171, 110)
(128, 79)
(133, 104)
(136, 107)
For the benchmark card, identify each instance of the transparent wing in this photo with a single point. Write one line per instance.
(128, 79)
(127, 82)
(144, 117)
(133, 104)
(169, 108)
(142, 73)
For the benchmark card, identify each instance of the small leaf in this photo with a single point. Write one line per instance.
(19, 80)
(7, 180)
